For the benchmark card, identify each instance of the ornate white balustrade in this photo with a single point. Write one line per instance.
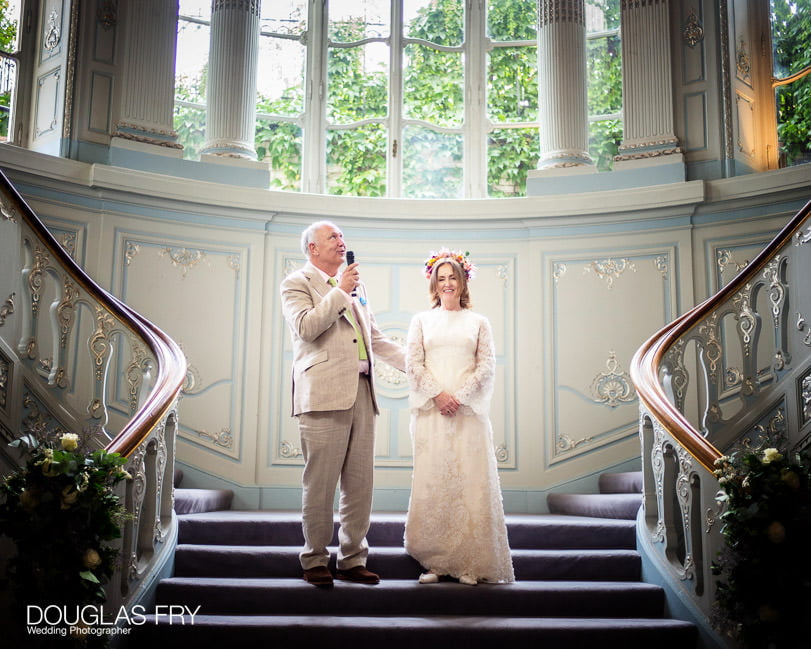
(734, 372)
(75, 359)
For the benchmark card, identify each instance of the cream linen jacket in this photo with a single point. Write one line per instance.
(325, 350)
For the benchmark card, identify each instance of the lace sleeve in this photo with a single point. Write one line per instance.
(477, 390)
(423, 387)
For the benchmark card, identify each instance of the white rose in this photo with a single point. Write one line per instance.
(91, 559)
(70, 441)
(771, 455)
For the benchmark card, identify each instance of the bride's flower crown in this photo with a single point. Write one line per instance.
(444, 253)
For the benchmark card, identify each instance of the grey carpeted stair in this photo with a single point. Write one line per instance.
(577, 586)
(196, 501)
(426, 632)
(620, 496)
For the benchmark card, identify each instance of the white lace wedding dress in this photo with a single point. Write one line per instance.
(455, 524)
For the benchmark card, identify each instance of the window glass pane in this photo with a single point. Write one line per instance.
(354, 20)
(190, 124)
(511, 153)
(791, 43)
(602, 15)
(358, 82)
(604, 73)
(9, 19)
(512, 84)
(433, 86)
(191, 73)
(280, 144)
(604, 70)
(280, 76)
(192, 39)
(356, 161)
(8, 80)
(283, 17)
(432, 164)
(281, 61)
(512, 20)
(605, 137)
(438, 21)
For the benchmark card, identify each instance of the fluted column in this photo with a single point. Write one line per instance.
(647, 87)
(146, 105)
(562, 90)
(232, 69)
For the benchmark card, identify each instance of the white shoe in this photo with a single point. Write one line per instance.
(429, 578)
(467, 580)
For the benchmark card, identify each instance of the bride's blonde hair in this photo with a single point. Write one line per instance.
(461, 277)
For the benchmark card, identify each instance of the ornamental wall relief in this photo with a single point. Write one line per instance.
(613, 387)
(183, 258)
(609, 270)
(693, 31)
(53, 32)
(6, 309)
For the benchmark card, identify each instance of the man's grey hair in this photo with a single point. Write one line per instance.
(308, 236)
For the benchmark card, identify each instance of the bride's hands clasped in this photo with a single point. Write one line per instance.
(446, 403)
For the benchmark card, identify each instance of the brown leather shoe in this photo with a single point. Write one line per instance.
(359, 575)
(319, 576)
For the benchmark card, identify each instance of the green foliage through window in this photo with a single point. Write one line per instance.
(8, 40)
(433, 142)
(791, 42)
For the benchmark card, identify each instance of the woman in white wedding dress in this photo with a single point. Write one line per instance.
(455, 523)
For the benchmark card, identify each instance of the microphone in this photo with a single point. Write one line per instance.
(350, 259)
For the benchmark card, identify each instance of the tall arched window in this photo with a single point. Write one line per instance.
(410, 98)
(791, 70)
(9, 20)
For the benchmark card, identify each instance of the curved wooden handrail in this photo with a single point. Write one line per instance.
(171, 370)
(647, 360)
(784, 81)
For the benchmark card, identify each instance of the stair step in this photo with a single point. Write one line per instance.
(614, 505)
(237, 527)
(577, 587)
(262, 596)
(194, 501)
(395, 563)
(624, 482)
(427, 632)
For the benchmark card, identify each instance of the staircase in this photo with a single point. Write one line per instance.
(620, 496)
(577, 585)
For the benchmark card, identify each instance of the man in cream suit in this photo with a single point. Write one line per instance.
(335, 343)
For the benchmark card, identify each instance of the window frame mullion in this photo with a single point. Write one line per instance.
(314, 145)
(474, 128)
(394, 152)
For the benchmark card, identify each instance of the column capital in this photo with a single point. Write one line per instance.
(558, 11)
